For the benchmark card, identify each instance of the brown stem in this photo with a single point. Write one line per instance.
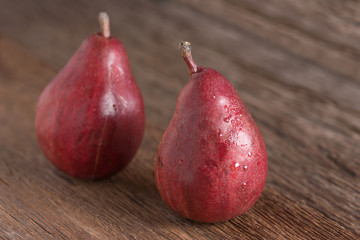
(185, 49)
(104, 24)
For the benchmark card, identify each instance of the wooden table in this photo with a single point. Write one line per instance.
(296, 64)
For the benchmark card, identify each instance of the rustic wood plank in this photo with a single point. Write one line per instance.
(294, 64)
(123, 206)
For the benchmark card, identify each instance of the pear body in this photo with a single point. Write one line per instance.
(90, 117)
(211, 163)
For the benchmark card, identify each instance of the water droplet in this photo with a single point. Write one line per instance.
(244, 183)
(181, 162)
(233, 121)
(249, 154)
(245, 167)
(227, 119)
(214, 96)
(114, 106)
(237, 164)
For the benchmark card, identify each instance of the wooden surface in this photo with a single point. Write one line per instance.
(296, 64)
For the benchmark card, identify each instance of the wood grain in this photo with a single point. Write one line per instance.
(294, 63)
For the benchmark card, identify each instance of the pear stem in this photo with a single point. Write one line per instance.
(104, 24)
(185, 49)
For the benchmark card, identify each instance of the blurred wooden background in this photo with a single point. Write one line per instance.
(296, 64)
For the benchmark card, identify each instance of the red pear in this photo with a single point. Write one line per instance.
(90, 117)
(211, 163)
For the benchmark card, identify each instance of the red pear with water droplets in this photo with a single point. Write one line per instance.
(211, 163)
(90, 117)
